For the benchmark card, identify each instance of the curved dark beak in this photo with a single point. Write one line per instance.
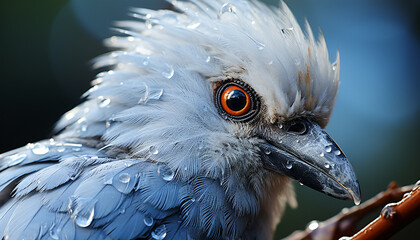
(303, 151)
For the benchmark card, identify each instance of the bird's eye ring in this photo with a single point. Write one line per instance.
(237, 101)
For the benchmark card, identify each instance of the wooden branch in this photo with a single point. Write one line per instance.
(392, 219)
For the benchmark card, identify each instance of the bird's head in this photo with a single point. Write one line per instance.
(220, 90)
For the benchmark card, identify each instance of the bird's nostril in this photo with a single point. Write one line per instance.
(297, 127)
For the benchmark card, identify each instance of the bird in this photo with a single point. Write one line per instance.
(200, 119)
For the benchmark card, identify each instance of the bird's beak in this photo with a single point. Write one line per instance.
(303, 151)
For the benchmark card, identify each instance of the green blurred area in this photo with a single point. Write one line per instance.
(46, 49)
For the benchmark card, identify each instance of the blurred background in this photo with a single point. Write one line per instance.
(47, 45)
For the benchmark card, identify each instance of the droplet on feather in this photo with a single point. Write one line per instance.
(83, 128)
(15, 159)
(124, 177)
(337, 152)
(123, 182)
(226, 8)
(84, 220)
(328, 149)
(334, 66)
(148, 221)
(103, 102)
(61, 149)
(153, 150)
(169, 73)
(76, 147)
(146, 61)
(70, 114)
(159, 233)
(166, 173)
(39, 149)
(194, 25)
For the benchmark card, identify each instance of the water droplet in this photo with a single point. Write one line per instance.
(321, 154)
(289, 165)
(313, 225)
(208, 59)
(417, 185)
(267, 151)
(301, 184)
(328, 149)
(388, 211)
(281, 126)
(15, 159)
(70, 114)
(148, 221)
(169, 73)
(75, 146)
(253, 22)
(39, 149)
(54, 232)
(83, 128)
(226, 8)
(165, 172)
(334, 66)
(194, 25)
(153, 150)
(103, 102)
(327, 165)
(84, 220)
(337, 152)
(124, 177)
(148, 24)
(123, 182)
(159, 233)
(297, 61)
(155, 94)
(260, 46)
(287, 30)
(192, 199)
(270, 62)
(61, 148)
(146, 61)
(298, 141)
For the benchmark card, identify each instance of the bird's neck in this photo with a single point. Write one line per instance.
(278, 193)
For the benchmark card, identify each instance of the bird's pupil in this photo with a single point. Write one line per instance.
(236, 100)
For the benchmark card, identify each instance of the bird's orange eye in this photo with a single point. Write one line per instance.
(236, 101)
